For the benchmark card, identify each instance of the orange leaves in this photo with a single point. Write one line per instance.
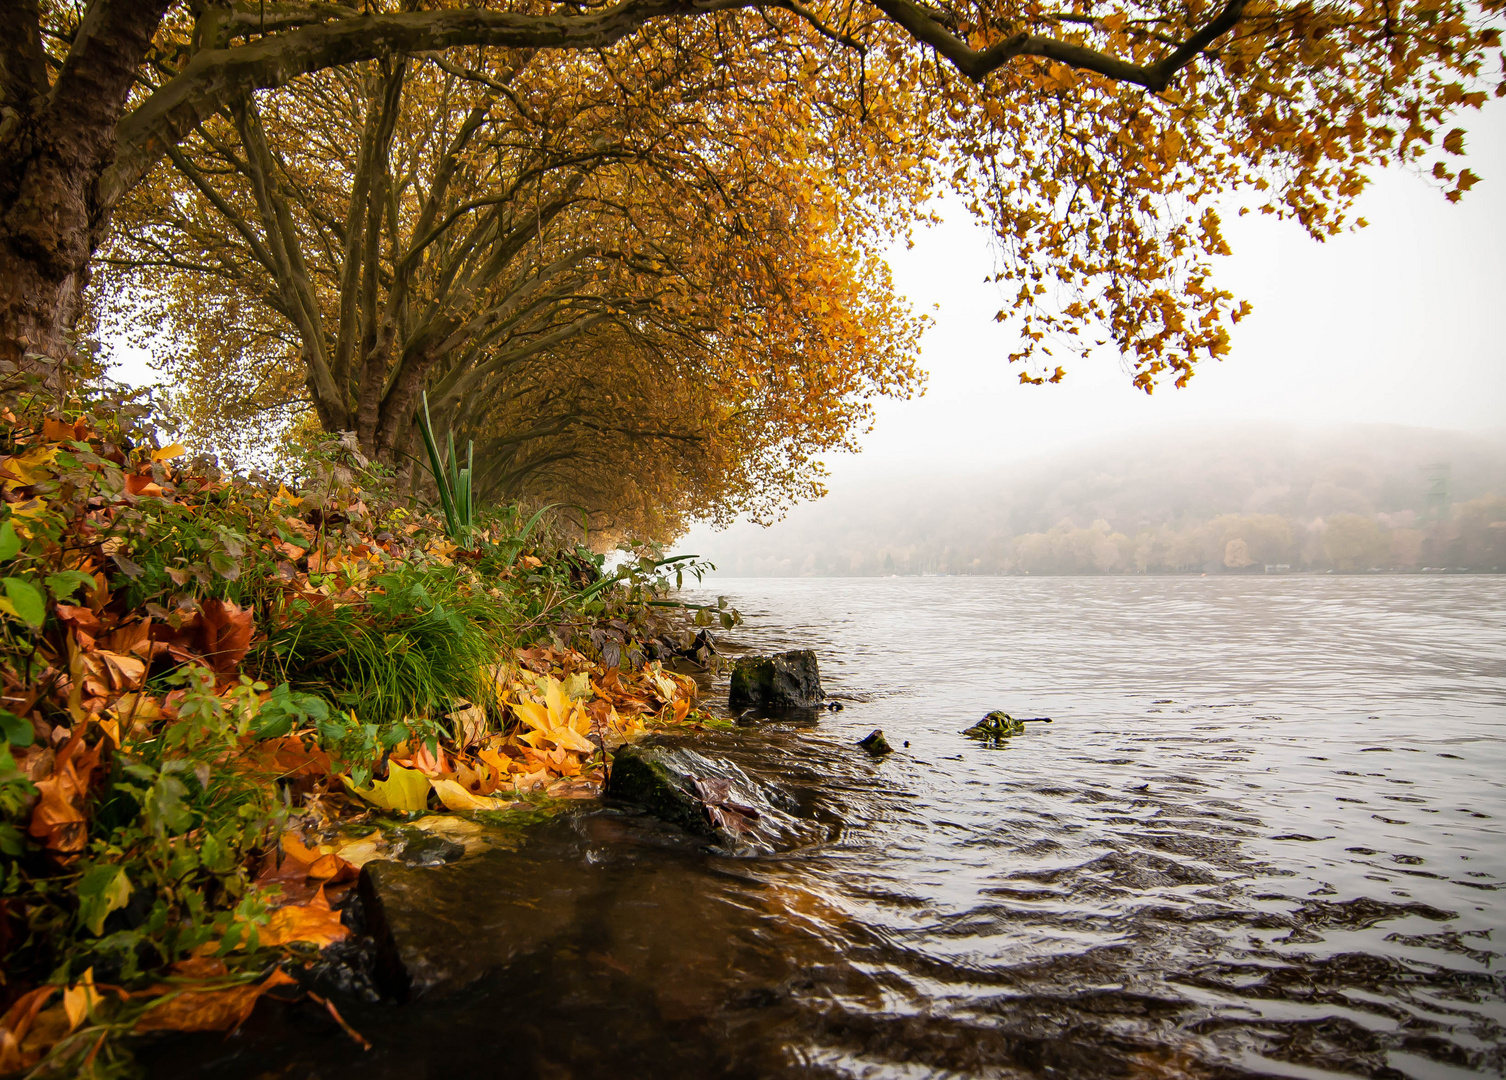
(58, 821)
(314, 923)
(202, 1001)
(16, 1051)
(226, 635)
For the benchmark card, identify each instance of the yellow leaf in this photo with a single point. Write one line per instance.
(313, 922)
(167, 453)
(404, 790)
(456, 797)
(78, 1000)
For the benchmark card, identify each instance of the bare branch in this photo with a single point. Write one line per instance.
(976, 64)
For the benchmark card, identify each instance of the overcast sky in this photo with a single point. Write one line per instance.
(1397, 323)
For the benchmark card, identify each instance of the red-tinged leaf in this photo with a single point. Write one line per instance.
(226, 635)
(142, 485)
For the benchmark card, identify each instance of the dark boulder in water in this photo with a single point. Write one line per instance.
(788, 680)
(652, 778)
(875, 743)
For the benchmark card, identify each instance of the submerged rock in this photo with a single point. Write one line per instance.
(875, 743)
(708, 797)
(996, 725)
(436, 929)
(788, 680)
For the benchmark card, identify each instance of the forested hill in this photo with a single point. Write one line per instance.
(1239, 498)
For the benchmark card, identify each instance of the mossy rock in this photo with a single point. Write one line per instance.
(642, 775)
(788, 680)
(996, 725)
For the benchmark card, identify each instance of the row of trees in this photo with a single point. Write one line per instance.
(632, 245)
(600, 267)
(1472, 538)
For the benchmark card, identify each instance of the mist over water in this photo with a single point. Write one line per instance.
(1263, 836)
(1294, 497)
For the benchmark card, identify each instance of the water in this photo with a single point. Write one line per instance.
(1262, 837)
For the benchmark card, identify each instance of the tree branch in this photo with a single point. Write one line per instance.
(23, 61)
(976, 65)
(217, 76)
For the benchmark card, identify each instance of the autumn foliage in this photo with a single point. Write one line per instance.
(187, 792)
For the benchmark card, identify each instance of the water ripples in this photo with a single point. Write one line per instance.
(1262, 837)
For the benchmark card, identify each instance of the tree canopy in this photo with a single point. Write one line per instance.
(1095, 137)
(600, 267)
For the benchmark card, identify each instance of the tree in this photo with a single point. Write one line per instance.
(598, 258)
(1094, 137)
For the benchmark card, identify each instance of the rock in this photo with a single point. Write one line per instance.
(438, 929)
(996, 725)
(789, 680)
(650, 777)
(705, 796)
(416, 847)
(875, 743)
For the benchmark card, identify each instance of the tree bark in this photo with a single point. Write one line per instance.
(55, 143)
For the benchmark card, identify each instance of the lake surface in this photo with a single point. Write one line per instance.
(1265, 835)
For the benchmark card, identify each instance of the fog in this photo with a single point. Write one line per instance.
(1395, 324)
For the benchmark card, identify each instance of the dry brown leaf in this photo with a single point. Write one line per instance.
(141, 485)
(16, 1024)
(209, 1009)
(226, 635)
(58, 820)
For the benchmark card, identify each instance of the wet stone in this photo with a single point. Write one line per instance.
(434, 934)
(419, 848)
(653, 778)
(710, 797)
(788, 680)
(875, 743)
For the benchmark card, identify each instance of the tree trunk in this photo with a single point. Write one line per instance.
(56, 141)
(47, 236)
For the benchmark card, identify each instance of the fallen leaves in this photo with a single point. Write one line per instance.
(404, 790)
(200, 1002)
(456, 797)
(314, 923)
(58, 820)
(227, 635)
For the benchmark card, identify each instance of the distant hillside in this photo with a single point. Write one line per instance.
(1229, 500)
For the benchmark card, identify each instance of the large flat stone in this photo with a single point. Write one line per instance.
(440, 928)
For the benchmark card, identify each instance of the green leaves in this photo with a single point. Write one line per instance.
(10, 543)
(101, 890)
(285, 709)
(454, 483)
(16, 730)
(25, 601)
(67, 582)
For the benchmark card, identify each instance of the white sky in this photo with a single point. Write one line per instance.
(1398, 323)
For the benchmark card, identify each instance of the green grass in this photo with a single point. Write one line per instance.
(422, 641)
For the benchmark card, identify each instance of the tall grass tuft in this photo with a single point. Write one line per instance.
(421, 642)
(454, 483)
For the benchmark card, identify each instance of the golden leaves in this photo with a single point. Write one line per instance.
(404, 790)
(313, 923)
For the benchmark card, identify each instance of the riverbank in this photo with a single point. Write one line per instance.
(1261, 838)
(223, 695)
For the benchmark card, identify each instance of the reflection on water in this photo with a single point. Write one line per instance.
(1263, 837)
